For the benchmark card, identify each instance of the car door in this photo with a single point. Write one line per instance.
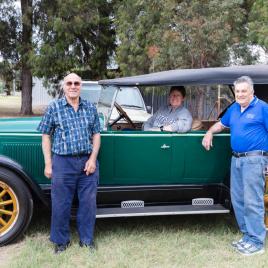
(136, 158)
(131, 157)
(203, 166)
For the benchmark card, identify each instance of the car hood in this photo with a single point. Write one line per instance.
(136, 115)
(19, 125)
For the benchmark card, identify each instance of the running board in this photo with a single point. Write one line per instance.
(160, 210)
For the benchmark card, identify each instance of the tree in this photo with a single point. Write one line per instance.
(49, 38)
(136, 24)
(16, 45)
(7, 75)
(200, 34)
(74, 35)
(258, 21)
(187, 34)
(26, 50)
(9, 30)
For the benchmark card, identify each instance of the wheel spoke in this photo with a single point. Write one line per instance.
(7, 212)
(8, 202)
(3, 193)
(9, 207)
(2, 222)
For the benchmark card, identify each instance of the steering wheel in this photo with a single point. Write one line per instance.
(122, 114)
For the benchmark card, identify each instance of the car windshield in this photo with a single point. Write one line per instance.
(130, 97)
(91, 92)
(127, 96)
(106, 100)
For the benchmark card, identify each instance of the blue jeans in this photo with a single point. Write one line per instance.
(247, 190)
(68, 178)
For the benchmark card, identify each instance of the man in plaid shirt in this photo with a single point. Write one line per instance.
(70, 143)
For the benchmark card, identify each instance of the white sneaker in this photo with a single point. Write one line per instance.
(238, 244)
(249, 249)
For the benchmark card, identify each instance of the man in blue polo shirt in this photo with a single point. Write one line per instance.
(70, 143)
(247, 119)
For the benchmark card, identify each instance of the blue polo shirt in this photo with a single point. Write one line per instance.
(249, 129)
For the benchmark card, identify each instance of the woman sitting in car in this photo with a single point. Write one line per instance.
(173, 117)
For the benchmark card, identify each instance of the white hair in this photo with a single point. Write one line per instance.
(72, 74)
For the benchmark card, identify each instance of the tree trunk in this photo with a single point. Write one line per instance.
(26, 44)
(26, 94)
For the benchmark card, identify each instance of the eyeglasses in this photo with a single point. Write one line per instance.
(76, 83)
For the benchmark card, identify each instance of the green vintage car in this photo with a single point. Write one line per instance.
(141, 173)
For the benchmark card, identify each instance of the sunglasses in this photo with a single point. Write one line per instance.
(76, 83)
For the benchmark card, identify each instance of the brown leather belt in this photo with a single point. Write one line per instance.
(251, 153)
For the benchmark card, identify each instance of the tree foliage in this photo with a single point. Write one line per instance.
(16, 46)
(74, 35)
(9, 41)
(50, 38)
(136, 24)
(7, 75)
(162, 35)
(190, 34)
(10, 31)
(258, 21)
(202, 31)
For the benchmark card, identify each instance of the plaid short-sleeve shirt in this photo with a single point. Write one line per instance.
(71, 131)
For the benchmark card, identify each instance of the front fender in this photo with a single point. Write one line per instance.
(15, 167)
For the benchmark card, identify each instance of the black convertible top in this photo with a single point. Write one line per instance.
(204, 76)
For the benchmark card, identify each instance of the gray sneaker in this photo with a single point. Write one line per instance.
(249, 249)
(238, 244)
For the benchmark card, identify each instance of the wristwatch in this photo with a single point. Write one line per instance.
(161, 128)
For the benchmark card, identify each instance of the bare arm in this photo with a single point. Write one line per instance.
(90, 165)
(46, 147)
(207, 140)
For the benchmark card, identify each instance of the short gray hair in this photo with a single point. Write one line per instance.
(244, 79)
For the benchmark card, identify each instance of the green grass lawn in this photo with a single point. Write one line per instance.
(173, 241)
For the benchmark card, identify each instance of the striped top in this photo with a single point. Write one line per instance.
(71, 130)
(180, 119)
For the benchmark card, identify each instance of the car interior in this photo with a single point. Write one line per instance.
(124, 122)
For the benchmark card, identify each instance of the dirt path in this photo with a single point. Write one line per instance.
(7, 253)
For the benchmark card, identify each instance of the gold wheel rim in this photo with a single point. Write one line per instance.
(9, 208)
(266, 202)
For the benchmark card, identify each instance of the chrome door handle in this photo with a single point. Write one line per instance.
(164, 146)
